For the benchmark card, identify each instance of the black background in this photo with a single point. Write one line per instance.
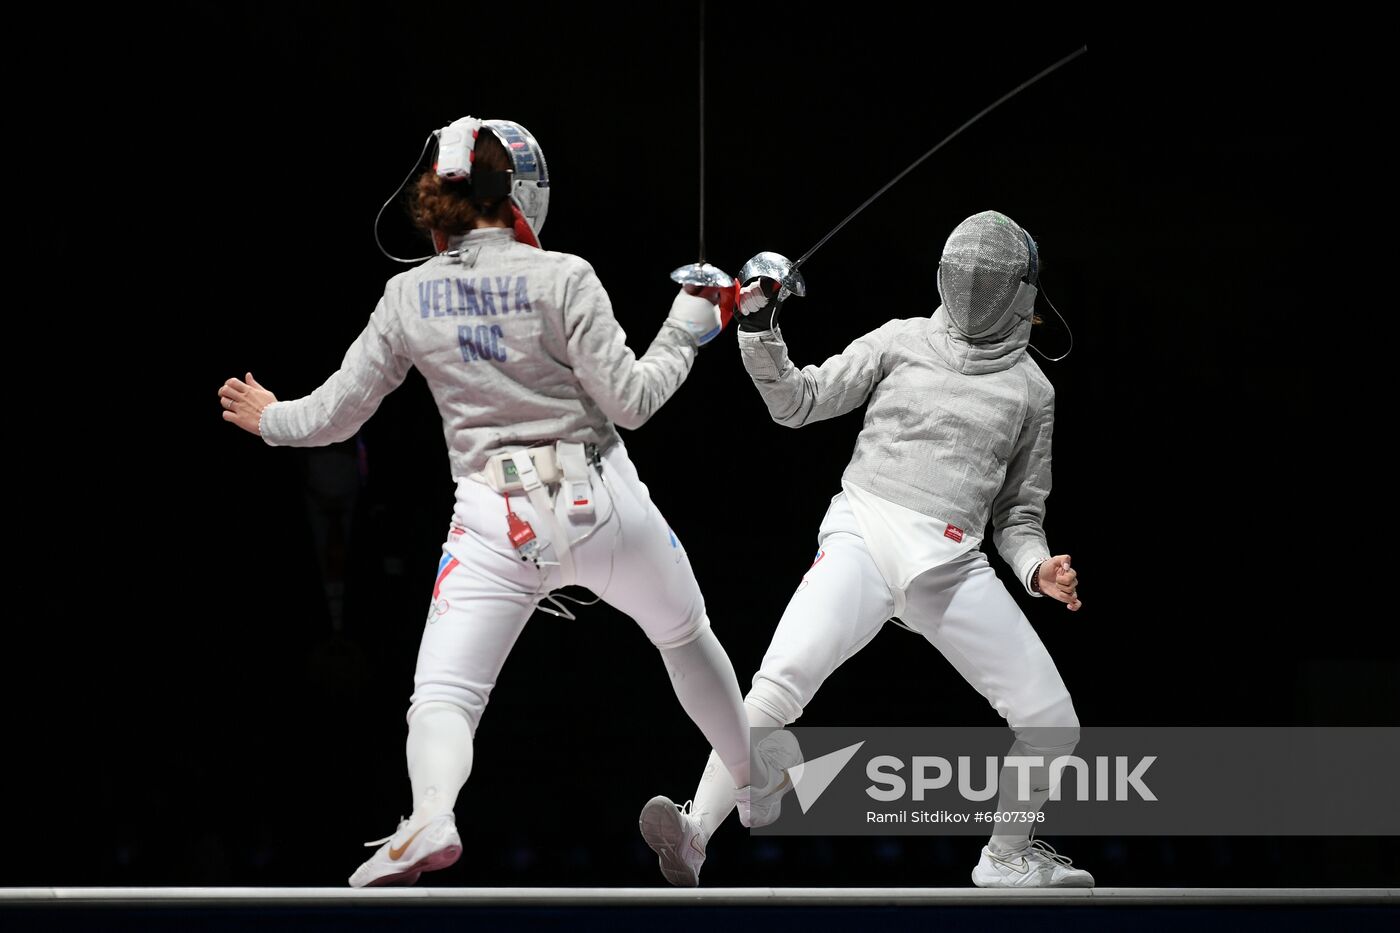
(1204, 206)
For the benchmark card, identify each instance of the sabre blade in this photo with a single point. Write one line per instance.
(947, 139)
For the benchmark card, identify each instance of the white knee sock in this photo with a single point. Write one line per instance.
(1010, 837)
(705, 684)
(439, 757)
(714, 798)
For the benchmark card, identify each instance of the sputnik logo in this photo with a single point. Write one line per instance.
(810, 779)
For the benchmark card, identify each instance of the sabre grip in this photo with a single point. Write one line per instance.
(764, 318)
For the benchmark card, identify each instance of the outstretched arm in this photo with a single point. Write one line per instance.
(627, 389)
(795, 397)
(374, 366)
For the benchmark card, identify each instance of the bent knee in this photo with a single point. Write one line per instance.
(681, 635)
(467, 699)
(775, 698)
(1054, 726)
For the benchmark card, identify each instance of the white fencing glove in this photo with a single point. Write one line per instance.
(697, 314)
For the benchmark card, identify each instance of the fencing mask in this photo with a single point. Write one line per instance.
(987, 275)
(527, 183)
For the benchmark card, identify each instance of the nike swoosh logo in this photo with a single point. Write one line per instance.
(1024, 866)
(396, 854)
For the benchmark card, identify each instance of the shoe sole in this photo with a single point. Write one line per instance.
(434, 861)
(998, 883)
(664, 830)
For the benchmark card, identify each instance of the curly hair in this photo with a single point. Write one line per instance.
(445, 206)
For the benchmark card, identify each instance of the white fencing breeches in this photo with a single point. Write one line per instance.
(627, 555)
(960, 607)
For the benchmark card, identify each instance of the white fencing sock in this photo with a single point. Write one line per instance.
(439, 757)
(705, 684)
(714, 798)
(1011, 837)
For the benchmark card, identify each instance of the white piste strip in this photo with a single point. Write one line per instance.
(755, 897)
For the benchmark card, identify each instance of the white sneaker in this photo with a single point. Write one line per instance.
(677, 839)
(1039, 866)
(761, 805)
(405, 855)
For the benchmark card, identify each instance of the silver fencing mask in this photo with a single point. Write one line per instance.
(526, 184)
(529, 191)
(987, 275)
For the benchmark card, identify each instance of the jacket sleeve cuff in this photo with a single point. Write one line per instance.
(267, 425)
(762, 351)
(687, 337)
(1031, 572)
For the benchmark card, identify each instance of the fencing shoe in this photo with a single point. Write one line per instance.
(1038, 866)
(676, 838)
(407, 854)
(760, 805)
